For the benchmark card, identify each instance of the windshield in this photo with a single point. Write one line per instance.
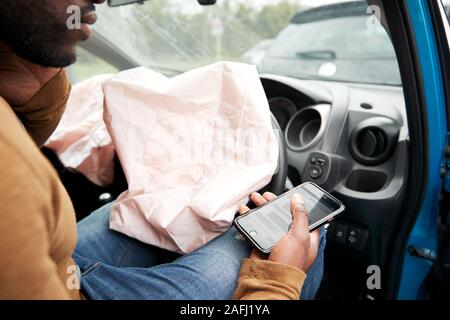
(173, 36)
(343, 39)
(337, 45)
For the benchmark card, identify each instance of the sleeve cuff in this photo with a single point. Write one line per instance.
(263, 279)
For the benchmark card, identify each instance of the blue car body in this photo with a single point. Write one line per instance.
(425, 231)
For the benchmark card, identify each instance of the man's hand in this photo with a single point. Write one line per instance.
(298, 248)
(20, 80)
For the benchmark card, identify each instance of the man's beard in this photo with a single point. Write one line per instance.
(34, 35)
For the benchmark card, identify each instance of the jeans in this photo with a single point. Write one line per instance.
(115, 266)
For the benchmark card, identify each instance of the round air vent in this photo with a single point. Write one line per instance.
(374, 141)
(371, 142)
(306, 128)
(283, 109)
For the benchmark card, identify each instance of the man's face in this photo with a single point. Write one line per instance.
(37, 30)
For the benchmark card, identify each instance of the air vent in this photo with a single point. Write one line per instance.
(371, 142)
(306, 128)
(374, 141)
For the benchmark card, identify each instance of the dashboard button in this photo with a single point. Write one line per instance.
(315, 172)
(353, 237)
(340, 233)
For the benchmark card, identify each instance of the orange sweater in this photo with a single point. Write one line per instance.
(37, 219)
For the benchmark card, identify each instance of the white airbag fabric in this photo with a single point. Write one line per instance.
(192, 147)
(81, 139)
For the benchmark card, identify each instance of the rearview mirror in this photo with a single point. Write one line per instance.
(207, 2)
(117, 3)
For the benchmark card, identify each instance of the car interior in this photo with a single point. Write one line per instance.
(351, 138)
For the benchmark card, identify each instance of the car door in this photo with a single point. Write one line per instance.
(419, 42)
(438, 281)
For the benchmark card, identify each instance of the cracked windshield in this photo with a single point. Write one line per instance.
(306, 39)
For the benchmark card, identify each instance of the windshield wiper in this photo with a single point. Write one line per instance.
(307, 76)
(316, 55)
(164, 70)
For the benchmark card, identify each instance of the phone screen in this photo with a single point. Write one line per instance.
(267, 224)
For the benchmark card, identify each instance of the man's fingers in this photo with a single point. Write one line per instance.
(256, 255)
(299, 227)
(315, 240)
(257, 199)
(243, 209)
(269, 196)
(314, 244)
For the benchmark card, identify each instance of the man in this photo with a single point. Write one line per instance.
(38, 259)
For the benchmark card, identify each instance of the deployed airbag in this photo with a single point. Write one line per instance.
(192, 148)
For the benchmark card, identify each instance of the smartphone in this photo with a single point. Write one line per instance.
(267, 224)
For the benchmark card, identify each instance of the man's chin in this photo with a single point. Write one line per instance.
(55, 58)
(57, 51)
(61, 60)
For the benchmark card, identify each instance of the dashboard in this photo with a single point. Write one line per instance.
(352, 140)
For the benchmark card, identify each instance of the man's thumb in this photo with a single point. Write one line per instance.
(300, 224)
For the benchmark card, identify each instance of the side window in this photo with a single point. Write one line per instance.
(446, 4)
(88, 65)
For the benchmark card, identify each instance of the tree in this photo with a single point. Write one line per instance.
(177, 38)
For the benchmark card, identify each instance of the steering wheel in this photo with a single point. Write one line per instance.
(277, 184)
